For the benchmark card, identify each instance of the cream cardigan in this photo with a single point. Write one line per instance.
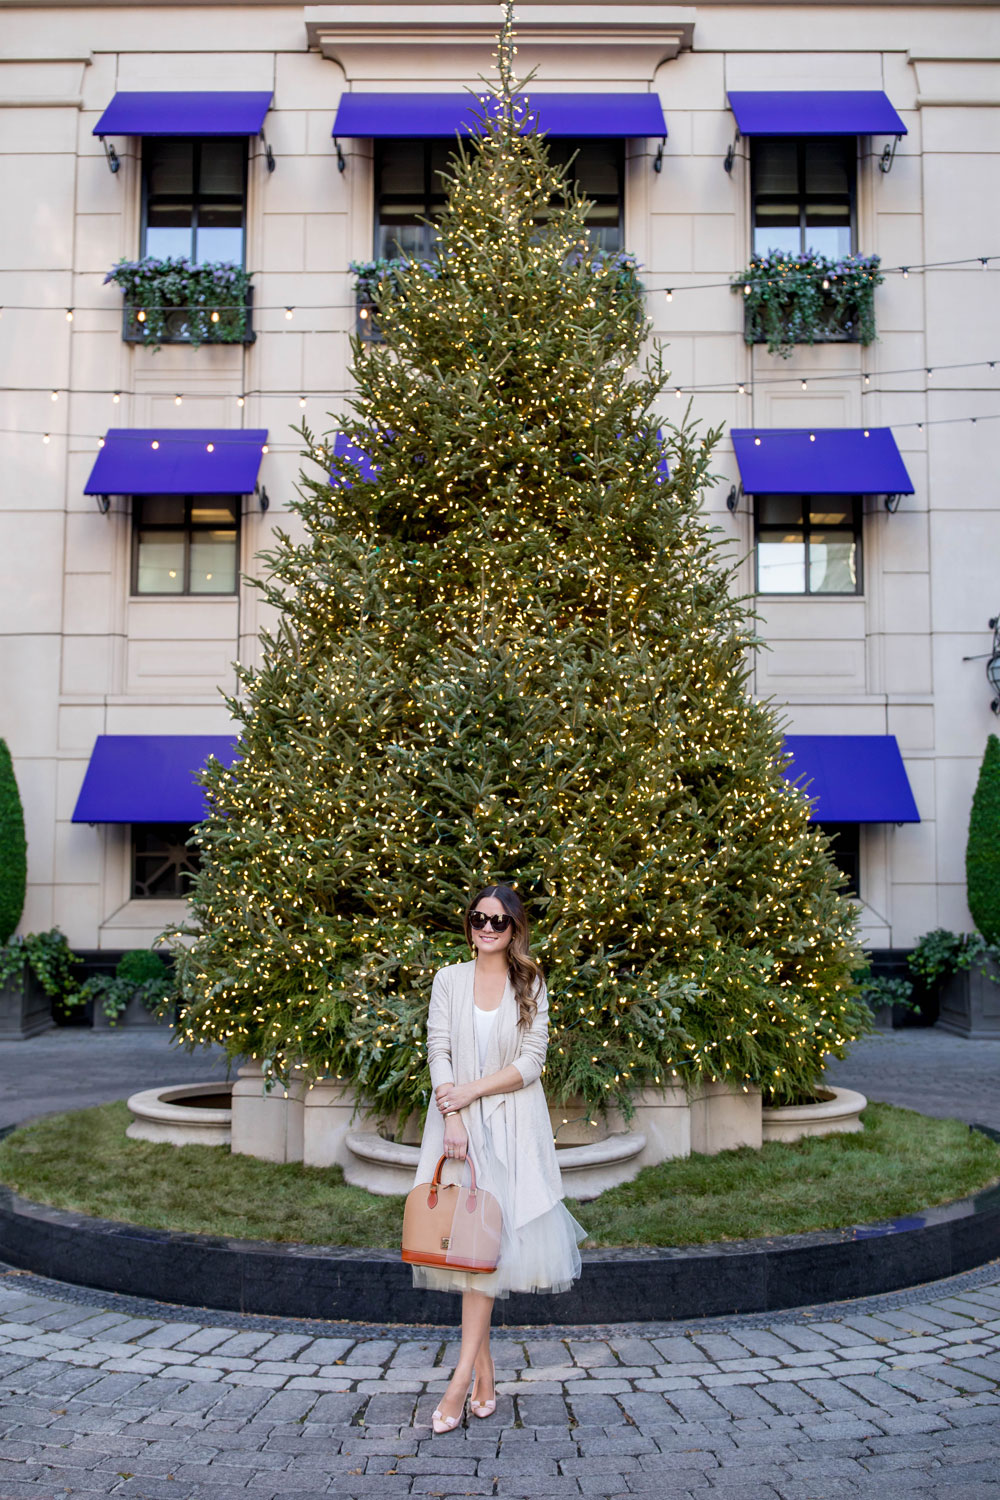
(519, 1120)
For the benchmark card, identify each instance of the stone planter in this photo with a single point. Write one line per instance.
(266, 1124)
(25, 1008)
(134, 1015)
(970, 1002)
(189, 1114)
(837, 1113)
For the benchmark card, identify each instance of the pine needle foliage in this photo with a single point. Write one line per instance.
(982, 852)
(513, 652)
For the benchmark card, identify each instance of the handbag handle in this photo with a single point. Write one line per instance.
(470, 1202)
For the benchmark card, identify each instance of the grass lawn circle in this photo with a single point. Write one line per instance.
(902, 1162)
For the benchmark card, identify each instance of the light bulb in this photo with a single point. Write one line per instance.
(670, 295)
(116, 397)
(241, 401)
(209, 447)
(742, 390)
(264, 449)
(140, 316)
(178, 399)
(805, 385)
(46, 437)
(154, 444)
(215, 316)
(69, 315)
(54, 396)
(302, 402)
(288, 313)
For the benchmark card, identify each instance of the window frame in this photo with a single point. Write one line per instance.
(801, 142)
(133, 885)
(198, 142)
(429, 195)
(852, 856)
(806, 499)
(186, 527)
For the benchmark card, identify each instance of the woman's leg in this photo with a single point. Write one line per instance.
(477, 1309)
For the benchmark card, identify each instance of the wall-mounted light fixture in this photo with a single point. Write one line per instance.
(992, 659)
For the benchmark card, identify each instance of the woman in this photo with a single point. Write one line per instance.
(487, 1033)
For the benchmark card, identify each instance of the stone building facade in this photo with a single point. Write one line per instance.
(121, 610)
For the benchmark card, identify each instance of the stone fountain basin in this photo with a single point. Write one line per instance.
(185, 1114)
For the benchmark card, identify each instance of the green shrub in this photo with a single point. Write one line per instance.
(13, 848)
(982, 854)
(140, 972)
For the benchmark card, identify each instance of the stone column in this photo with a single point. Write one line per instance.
(723, 1117)
(266, 1124)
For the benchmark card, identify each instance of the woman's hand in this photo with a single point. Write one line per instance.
(455, 1096)
(456, 1138)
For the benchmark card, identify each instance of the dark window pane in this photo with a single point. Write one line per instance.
(162, 864)
(779, 510)
(831, 510)
(213, 510)
(169, 168)
(160, 510)
(845, 851)
(221, 169)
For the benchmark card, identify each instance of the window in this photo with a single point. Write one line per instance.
(803, 194)
(162, 864)
(845, 851)
(194, 198)
(408, 188)
(185, 544)
(808, 544)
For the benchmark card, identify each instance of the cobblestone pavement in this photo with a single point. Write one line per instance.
(926, 1069)
(890, 1397)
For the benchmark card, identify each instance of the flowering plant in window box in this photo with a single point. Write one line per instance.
(810, 298)
(174, 301)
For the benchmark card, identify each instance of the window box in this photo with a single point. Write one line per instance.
(808, 299)
(175, 302)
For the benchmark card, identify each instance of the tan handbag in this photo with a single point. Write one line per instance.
(451, 1225)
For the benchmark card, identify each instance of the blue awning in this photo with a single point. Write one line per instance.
(344, 448)
(857, 778)
(148, 778)
(178, 461)
(820, 461)
(601, 116)
(840, 112)
(184, 114)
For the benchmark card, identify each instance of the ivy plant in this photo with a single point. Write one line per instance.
(48, 956)
(941, 953)
(140, 974)
(212, 295)
(796, 299)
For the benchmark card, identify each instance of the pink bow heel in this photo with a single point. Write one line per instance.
(442, 1424)
(484, 1408)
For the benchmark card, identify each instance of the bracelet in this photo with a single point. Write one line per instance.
(448, 1112)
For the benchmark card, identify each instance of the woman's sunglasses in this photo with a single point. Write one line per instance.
(480, 919)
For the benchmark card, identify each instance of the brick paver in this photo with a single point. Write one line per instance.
(101, 1395)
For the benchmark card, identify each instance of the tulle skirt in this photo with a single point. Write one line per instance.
(542, 1256)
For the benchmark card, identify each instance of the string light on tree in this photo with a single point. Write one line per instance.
(509, 647)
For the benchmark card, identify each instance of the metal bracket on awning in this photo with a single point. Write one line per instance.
(114, 160)
(103, 503)
(269, 154)
(731, 153)
(888, 156)
(892, 502)
(341, 160)
(658, 158)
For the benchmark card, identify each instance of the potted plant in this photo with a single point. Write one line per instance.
(136, 994)
(34, 970)
(810, 298)
(13, 848)
(970, 995)
(173, 301)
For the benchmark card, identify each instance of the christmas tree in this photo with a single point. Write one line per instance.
(511, 650)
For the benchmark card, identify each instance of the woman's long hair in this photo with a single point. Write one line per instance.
(525, 974)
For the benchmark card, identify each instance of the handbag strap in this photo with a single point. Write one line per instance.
(436, 1183)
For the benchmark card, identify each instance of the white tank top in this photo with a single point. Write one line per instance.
(484, 1023)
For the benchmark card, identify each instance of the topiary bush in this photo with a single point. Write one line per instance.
(982, 853)
(13, 848)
